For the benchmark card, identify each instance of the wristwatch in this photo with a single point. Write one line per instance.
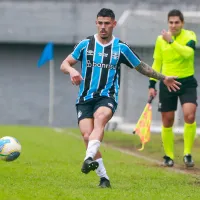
(171, 41)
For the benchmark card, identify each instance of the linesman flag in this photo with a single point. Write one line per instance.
(143, 125)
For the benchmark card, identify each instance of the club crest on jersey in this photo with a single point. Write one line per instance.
(115, 56)
(90, 53)
(103, 54)
(79, 114)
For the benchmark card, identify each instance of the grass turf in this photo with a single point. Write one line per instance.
(49, 169)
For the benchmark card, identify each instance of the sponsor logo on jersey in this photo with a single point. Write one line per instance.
(101, 65)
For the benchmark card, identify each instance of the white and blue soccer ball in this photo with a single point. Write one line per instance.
(10, 148)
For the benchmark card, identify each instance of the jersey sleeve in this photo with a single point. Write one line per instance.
(193, 36)
(128, 56)
(157, 50)
(192, 40)
(78, 50)
(187, 50)
(157, 64)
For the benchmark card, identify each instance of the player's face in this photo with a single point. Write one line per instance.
(105, 26)
(175, 25)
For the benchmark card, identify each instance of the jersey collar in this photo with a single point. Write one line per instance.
(104, 45)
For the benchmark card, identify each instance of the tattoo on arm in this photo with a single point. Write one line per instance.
(146, 70)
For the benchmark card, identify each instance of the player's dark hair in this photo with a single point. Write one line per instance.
(176, 13)
(105, 12)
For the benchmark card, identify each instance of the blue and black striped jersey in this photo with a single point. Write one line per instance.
(100, 65)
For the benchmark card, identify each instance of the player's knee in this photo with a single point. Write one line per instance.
(86, 137)
(189, 118)
(168, 122)
(101, 117)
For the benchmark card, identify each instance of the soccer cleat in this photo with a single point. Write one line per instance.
(187, 159)
(88, 165)
(104, 183)
(168, 162)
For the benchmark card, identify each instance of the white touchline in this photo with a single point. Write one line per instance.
(181, 171)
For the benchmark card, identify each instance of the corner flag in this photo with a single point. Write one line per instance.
(46, 55)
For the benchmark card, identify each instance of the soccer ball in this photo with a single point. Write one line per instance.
(10, 148)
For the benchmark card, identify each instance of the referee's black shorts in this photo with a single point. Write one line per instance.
(187, 94)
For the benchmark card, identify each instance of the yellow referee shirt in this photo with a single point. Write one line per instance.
(176, 59)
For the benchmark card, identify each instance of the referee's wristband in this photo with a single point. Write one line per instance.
(171, 41)
(152, 84)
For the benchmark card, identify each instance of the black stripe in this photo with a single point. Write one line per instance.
(89, 69)
(191, 44)
(104, 72)
(112, 89)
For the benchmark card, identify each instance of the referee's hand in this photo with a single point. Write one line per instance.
(171, 83)
(152, 93)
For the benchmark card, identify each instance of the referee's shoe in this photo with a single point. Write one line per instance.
(168, 162)
(187, 159)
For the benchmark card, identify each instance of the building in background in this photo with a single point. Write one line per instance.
(26, 26)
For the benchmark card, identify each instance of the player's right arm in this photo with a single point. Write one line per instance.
(66, 66)
(71, 60)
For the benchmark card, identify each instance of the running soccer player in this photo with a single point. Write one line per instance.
(174, 54)
(101, 55)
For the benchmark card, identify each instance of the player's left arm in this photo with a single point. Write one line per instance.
(148, 71)
(169, 81)
(130, 58)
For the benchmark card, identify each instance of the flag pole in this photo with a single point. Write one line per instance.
(51, 92)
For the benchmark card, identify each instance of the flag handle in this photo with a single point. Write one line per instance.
(150, 99)
(51, 92)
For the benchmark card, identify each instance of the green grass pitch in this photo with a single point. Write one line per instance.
(49, 169)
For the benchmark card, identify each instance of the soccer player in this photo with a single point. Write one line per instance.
(174, 54)
(101, 55)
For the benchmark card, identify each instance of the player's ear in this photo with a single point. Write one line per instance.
(114, 23)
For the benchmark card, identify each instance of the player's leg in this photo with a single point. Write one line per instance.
(101, 117)
(103, 111)
(167, 107)
(189, 105)
(86, 127)
(103, 107)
